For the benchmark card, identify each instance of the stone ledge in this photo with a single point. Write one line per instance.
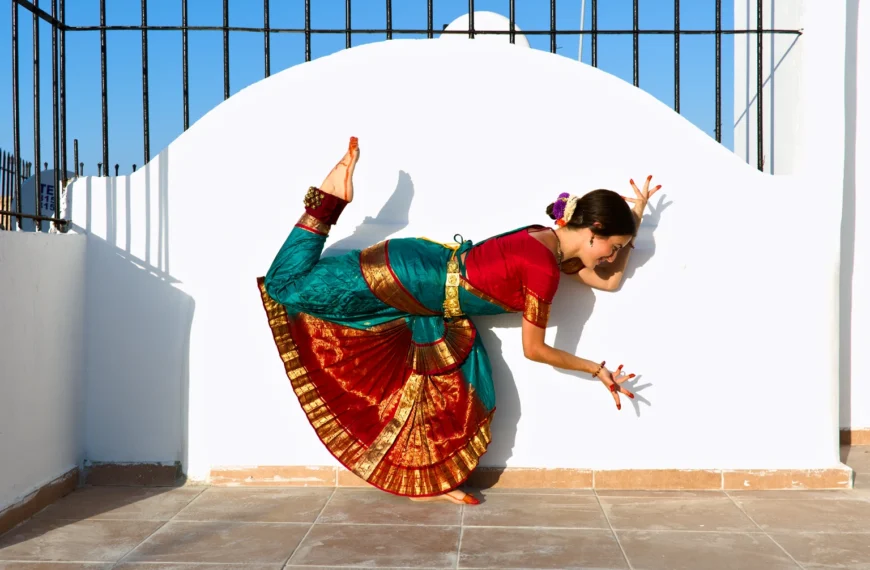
(519, 478)
(38, 500)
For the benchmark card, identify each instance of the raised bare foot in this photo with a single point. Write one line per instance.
(455, 496)
(339, 182)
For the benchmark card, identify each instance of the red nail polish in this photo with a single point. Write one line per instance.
(632, 180)
(620, 368)
(631, 375)
(659, 186)
(618, 407)
(631, 396)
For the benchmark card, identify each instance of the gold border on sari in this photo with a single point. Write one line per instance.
(368, 461)
(447, 353)
(375, 266)
(536, 311)
(313, 225)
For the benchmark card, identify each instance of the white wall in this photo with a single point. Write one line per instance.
(702, 318)
(782, 79)
(42, 280)
(855, 361)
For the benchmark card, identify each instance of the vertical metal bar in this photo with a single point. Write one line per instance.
(226, 49)
(594, 33)
(16, 114)
(553, 26)
(307, 30)
(636, 50)
(37, 226)
(267, 37)
(4, 203)
(760, 82)
(512, 21)
(117, 168)
(55, 139)
(184, 65)
(63, 94)
(719, 71)
(146, 123)
(76, 157)
(105, 83)
(471, 19)
(347, 25)
(389, 19)
(677, 56)
(430, 20)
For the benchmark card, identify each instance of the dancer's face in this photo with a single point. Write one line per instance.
(604, 249)
(593, 249)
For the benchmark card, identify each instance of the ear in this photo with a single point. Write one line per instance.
(597, 225)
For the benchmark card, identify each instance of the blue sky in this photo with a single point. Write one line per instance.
(697, 76)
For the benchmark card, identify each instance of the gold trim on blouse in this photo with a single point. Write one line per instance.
(313, 225)
(536, 311)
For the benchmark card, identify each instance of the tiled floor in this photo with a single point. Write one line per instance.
(195, 528)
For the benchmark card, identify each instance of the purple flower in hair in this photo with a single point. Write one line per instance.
(559, 206)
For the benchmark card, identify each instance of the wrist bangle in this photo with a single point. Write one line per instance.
(597, 372)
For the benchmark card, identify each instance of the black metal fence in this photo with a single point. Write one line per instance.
(10, 167)
(57, 19)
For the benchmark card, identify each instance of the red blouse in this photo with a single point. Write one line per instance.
(518, 271)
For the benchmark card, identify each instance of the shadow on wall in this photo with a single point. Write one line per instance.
(847, 229)
(138, 330)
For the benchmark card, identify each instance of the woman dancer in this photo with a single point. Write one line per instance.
(378, 344)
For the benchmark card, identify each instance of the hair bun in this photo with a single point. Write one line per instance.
(550, 209)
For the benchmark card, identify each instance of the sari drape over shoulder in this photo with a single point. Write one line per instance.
(380, 349)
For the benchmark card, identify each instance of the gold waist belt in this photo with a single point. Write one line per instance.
(451, 289)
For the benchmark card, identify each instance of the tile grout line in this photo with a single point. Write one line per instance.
(158, 529)
(317, 518)
(613, 532)
(787, 553)
(461, 532)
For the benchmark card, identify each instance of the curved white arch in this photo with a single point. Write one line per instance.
(476, 138)
(490, 21)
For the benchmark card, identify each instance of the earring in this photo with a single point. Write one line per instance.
(591, 240)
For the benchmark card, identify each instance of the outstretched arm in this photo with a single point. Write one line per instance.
(535, 348)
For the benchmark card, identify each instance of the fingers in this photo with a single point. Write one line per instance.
(646, 185)
(627, 199)
(636, 189)
(626, 392)
(616, 399)
(624, 379)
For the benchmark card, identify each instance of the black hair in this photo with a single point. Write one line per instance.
(605, 208)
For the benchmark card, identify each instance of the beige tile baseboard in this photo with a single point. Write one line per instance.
(19, 512)
(855, 436)
(518, 478)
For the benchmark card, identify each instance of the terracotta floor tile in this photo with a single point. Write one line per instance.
(79, 541)
(539, 548)
(562, 511)
(54, 566)
(227, 542)
(672, 550)
(512, 491)
(664, 513)
(808, 515)
(362, 506)
(633, 493)
(379, 546)
(194, 566)
(132, 503)
(828, 550)
(257, 505)
(796, 495)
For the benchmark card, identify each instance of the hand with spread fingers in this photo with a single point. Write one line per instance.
(612, 381)
(642, 196)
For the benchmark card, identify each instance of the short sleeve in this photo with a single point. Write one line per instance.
(539, 288)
